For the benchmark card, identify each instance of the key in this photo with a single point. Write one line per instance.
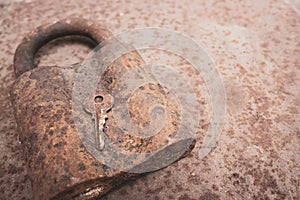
(98, 106)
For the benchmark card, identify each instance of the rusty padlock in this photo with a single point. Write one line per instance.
(59, 165)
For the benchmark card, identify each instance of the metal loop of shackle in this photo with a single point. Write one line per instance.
(25, 53)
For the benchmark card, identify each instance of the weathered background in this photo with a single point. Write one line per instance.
(255, 46)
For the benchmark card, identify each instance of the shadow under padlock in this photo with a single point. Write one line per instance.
(59, 164)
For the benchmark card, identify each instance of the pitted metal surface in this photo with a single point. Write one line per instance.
(58, 163)
(255, 47)
(46, 118)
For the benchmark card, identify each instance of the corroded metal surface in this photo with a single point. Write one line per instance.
(255, 46)
(59, 165)
(24, 56)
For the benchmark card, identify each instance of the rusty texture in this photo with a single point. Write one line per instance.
(255, 46)
(58, 164)
(24, 56)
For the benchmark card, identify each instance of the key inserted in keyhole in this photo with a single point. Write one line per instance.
(101, 104)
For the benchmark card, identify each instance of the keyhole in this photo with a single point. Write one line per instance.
(98, 99)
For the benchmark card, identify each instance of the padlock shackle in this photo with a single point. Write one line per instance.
(25, 53)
